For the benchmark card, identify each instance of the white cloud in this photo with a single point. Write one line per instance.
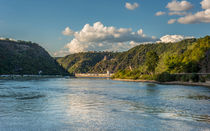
(130, 6)
(199, 17)
(105, 38)
(179, 6)
(172, 38)
(205, 4)
(140, 32)
(171, 21)
(62, 52)
(177, 13)
(68, 32)
(159, 13)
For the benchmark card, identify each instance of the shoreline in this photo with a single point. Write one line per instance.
(206, 84)
(29, 77)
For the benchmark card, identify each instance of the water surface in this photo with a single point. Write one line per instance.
(101, 104)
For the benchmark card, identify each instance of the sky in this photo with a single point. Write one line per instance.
(70, 26)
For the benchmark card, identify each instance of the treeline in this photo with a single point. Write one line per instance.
(25, 57)
(192, 57)
(185, 56)
(85, 62)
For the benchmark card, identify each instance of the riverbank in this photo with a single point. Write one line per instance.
(93, 75)
(28, 77)
(207, 84)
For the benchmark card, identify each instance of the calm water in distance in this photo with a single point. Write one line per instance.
(101, 104)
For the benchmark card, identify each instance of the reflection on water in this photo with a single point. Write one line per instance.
(102, 104)
(152, 89)
(30, 96)
(199, 97)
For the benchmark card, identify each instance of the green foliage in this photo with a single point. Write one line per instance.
(208, 77)
(27, 58)
(187, 56)
(134, 58)
(202, 79)
(194, 77)
(165, 77)
(151, 61)
(185, 78)
(189, 60)
(86, 61)
(133, 74)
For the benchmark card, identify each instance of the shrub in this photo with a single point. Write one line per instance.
(136, 77)
(185, 78)
(202, 79)
(194, 77)
(165, 77)
(147, 77)
(208, 77)
(178, 77)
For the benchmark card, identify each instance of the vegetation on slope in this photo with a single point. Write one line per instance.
(133, 58)
(20, 57)
(145, 61)
(84, 62)
(190, 58)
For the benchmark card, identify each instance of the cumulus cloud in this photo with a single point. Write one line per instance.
(106, 38)
(130, 6)
(68, 32)
(177, 13)
(179, 5)
(180, 8)
(171, 21)
(199, 17)
(205, 4)
(159, 13)
(172, 38)
(62, 52)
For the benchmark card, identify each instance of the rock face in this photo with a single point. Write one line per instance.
(27, 58)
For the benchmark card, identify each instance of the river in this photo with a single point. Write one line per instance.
(101, 104)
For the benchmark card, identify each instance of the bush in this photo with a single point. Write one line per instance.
(208, 77)
(185, 78)
(202, 79)
(136, 77)
(194, 77)
(178, 77)
(165, 77)
(147, 77)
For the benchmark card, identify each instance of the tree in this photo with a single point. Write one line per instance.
(151, 61)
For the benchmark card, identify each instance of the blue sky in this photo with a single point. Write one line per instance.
(42, 21)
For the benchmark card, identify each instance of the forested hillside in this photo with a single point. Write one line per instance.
(167, 66)
(84, 62)
(191, 55)
(21, 57)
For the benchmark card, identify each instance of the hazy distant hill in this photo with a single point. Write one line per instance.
(190, 52)
(84, 62)
(20, 57)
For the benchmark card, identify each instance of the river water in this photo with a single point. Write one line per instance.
(102, 104)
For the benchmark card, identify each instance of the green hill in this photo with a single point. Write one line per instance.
(20, 57)
(84, 62)
(135, 57)
(190, 52)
